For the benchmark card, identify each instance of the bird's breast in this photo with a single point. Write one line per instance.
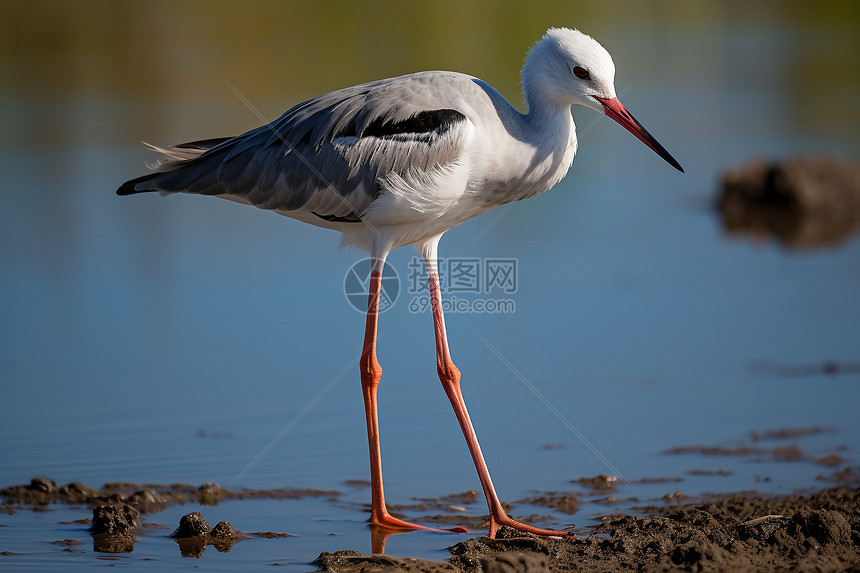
(521, 169)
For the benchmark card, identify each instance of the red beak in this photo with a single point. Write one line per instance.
(614, 109)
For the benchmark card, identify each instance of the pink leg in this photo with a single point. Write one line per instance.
(371, 372)
(450, 377)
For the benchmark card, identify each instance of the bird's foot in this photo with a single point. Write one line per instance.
(386, 525)
(504, 519)
(385, 520)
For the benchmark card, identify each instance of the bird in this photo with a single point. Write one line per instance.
(398, 162)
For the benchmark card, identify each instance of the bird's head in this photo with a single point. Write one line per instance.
(567, 67)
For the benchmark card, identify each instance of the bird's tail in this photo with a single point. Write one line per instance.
(176, 156)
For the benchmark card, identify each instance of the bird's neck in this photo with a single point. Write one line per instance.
(547, 117)
(551, 134)
(550, 127)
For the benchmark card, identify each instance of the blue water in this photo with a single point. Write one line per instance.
(164, 340)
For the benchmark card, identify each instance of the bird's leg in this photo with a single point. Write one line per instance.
(371, 373)
(450, 378)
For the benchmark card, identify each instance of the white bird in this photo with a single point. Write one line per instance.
(400, 161)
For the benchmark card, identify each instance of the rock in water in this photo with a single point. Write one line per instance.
(804, 201)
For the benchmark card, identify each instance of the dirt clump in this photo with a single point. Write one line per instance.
(191, 525)
(113, 526)
(349, 561)
(193, 535)
(115, 519)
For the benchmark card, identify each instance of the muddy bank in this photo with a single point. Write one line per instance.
(818, 532)
(657, 531)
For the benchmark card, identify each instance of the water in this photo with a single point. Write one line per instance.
(171, 340)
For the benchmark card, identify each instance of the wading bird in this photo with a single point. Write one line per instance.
(400, 161)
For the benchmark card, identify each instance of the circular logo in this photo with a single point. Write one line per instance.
(356, 284)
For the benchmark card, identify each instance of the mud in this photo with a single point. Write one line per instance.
(117, 508)
(146, 498)
(193, 535)
(816, 532)
(757, 448)
(115, 520)
(742, 532)
(802, 202)
(453, 502)
(819, 532)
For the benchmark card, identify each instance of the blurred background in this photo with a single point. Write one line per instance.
(165, 340)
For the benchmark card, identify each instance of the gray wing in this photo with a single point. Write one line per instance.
(326, 156)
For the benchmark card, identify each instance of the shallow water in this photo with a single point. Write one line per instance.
(172, 340)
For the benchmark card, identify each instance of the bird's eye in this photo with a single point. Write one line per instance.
(581, 73)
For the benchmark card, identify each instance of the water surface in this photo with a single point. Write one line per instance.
(172, 340)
